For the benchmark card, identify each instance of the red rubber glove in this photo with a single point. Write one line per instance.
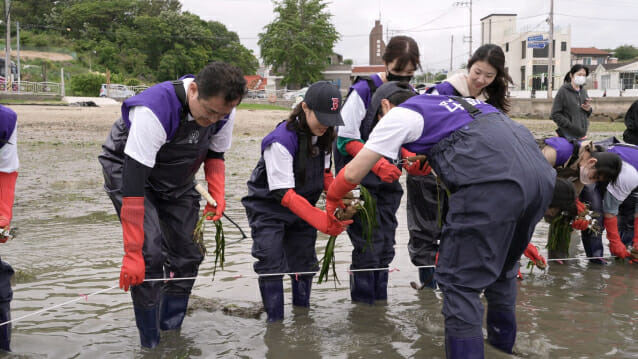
(7, 195)
(339, 188)
(313, 215)
(531, 252)
(214, 169)
(616, 247)
(353, 147)
(328, 178)
(414, 168)
(580, 224)
(635, 232)
(132, 218)
(386, 171)
(580, 206)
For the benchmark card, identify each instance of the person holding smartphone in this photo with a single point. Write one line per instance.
(572, 106)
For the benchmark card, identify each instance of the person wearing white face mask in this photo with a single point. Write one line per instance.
(572, 106)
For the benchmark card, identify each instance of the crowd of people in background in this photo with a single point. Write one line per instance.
(477, 185)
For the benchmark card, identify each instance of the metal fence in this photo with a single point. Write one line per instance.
(34, 88)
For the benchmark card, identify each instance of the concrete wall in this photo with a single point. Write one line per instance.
(604, 108)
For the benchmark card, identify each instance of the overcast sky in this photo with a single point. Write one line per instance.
(598, 23)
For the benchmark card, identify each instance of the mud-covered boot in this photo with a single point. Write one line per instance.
(301, 287)
(147, 320)
(272, 295)
(172, 311)
(501, 329)
(362, 287)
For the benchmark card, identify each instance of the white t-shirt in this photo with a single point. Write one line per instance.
(9, 154)
(147, 135)
(352, 113)
(279, 166)
(627, 181)
(399, 126)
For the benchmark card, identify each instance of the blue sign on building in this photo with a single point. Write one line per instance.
(537, 44)
(535, 38)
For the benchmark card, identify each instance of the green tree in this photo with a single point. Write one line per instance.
(626, 52)
(299, 42)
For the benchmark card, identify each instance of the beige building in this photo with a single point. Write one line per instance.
(527, 51)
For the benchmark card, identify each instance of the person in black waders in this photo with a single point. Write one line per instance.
(293, 171)
(369, 276)
(500, 185)
(149, 161)
(8, 174)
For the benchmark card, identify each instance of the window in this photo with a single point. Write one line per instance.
(563, 46)
(586, 60)
(523, 49)
(523, 78)
(544, 52)
(507, 47)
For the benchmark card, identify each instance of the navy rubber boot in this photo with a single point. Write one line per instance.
(426, 277)
(362, 287)
(501, 329)
(272, 295)
(381, 285)
(147, 320)
(464, 348)
(5, 330)
(301, 286)
(172, 311)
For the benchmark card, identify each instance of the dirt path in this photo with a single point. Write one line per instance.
(88, 124)
(30, 54)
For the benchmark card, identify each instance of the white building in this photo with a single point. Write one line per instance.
(526, 52)
(614, 77)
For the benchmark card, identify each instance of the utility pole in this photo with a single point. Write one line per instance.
(451, 51)
(18, 48)
(7, 50)
(467, 4)
(550, 56)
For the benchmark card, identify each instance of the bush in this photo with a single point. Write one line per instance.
(87, 84)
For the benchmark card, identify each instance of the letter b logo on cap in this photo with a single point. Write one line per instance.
(335, 104)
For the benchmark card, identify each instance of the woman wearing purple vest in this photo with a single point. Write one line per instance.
(8, 174)
(401, 59)
(566, 156)
(500, 185)
(623, 191)
(486, 80)
(149, 162)
(291, 174)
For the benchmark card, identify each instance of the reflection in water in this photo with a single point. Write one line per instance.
(297, 338)
(70, 244)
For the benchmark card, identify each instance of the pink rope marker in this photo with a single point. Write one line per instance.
(86, 297)
(238, 276)
(296, 276)
(394, 270)
(171, 276)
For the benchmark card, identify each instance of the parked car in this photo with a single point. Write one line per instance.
(116, 91)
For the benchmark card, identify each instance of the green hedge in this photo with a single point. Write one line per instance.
(87, 84)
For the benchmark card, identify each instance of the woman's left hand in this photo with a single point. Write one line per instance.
(586, 105)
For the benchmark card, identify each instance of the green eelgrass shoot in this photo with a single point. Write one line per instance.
(366, 209)
(220, 240)
(559, 234)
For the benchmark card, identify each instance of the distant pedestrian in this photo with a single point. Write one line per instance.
(572, 106)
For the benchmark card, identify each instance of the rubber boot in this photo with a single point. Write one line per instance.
(272, 295)
(381, 285)
(501, 329)
(362, 287)
(301, 286)
(463, 348)
(426, 277)
(147, 320)
(5, 330)
(172, 311)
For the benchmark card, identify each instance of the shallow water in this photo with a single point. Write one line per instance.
(69, 244)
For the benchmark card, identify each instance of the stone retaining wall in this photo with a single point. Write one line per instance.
(604, 108)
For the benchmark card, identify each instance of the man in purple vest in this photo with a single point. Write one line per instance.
(8, 174)
(500, 185)
(149, 162)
